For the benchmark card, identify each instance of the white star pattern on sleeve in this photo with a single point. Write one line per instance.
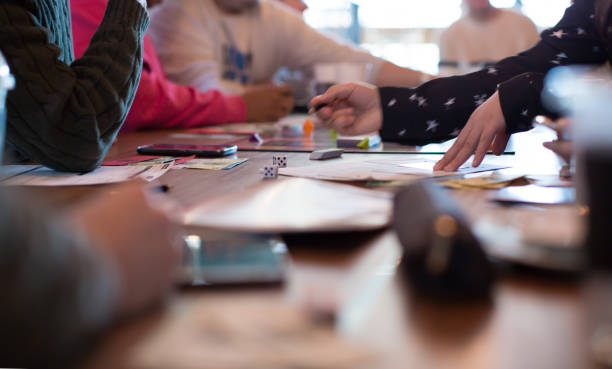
(558, 34)
(450, 102)
(480, 99)
(402, 132)
(414, 97)
(525, 113)
(422, 101)
(492, 71)
(432, 126)
(392, 102)
(456, 132)
(581, 32)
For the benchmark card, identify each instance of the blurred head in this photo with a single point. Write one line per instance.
(298, 5)
(236, 6)
(476, 5)
(480, 9)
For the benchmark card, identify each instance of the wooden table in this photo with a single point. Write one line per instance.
(533, 320)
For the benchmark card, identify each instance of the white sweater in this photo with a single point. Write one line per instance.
(199, 45)
(472, 41)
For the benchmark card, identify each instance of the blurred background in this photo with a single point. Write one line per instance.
(407, 32)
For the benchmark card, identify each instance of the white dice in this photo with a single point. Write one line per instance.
(280, 161)
(271, 172)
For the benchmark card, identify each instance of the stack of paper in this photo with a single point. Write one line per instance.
(36, 175)
(377, 170)
(296, 205)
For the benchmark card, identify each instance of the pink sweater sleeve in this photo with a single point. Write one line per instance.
(159, 103)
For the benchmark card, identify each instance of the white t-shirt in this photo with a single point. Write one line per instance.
(471, 41)
(201, 46)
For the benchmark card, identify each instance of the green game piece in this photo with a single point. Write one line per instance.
(364, 144)
(333, 134)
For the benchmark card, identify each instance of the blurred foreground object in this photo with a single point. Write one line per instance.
(441, 255)
(7, 82)
(586, 95)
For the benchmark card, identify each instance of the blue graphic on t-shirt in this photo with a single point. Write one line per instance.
(236, 65)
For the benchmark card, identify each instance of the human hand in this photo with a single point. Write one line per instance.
(137, 237)
(486, 126)
(268, 103)
(563, 145)
(352, 109)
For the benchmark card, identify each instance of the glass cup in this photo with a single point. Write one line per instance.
(586, 96)
(7, 82)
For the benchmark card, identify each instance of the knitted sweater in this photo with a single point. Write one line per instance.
(65, 113)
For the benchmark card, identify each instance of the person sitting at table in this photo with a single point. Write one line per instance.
(160, 103)
(66, 276)
(233, 44)
(65, 113)
(484, 35)
(479, 109)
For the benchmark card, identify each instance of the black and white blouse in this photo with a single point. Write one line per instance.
(438, 110)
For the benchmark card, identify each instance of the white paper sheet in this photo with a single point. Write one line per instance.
(377, 170)
(270, 207)
(42, 176)
(8, 171)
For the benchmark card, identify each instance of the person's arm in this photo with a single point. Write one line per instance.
(316, 47)
(65, 276)
(159, 103)
(67, 116)
(439, 109)
(57, 291)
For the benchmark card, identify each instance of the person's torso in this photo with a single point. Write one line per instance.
(243, 45)
(505, 35)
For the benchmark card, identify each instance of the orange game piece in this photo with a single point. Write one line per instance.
(308, 127)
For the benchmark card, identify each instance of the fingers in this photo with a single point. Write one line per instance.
(465, 152)
(334, 93)
(285, 91)
(454, 150)
(483, 146)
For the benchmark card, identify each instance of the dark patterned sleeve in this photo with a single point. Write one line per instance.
(439, 109)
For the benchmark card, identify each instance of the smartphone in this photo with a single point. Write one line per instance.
(219, 258)
(187, 150)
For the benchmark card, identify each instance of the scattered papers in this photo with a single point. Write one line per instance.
(147, 160)
(492, 182)
(8, 171)
(211, 164)
(43, 176)
(377, 170)
(270, 207)
(127, 161)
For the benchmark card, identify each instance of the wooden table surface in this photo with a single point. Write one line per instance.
(533, 320)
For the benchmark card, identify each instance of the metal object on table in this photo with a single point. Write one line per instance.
(7, 83)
